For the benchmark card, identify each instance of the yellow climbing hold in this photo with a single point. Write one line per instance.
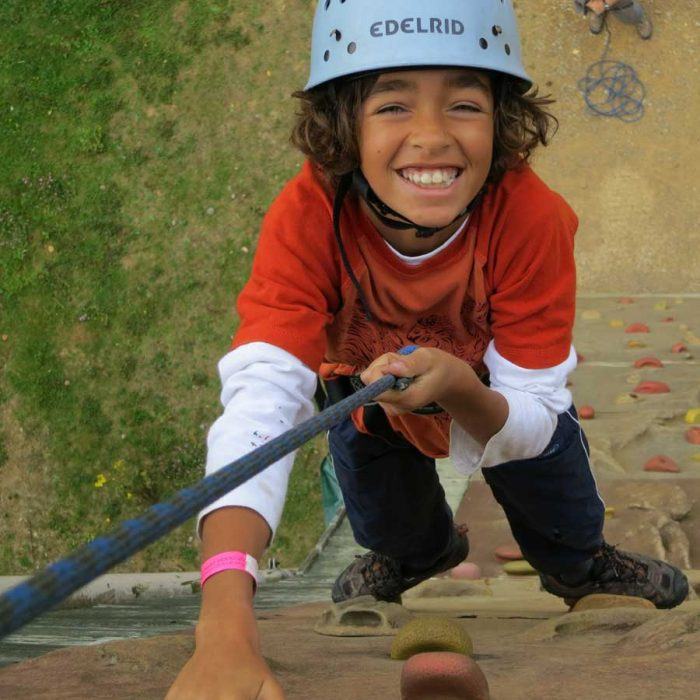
(431, 634)
(610, 512)
(519, 568)
(616, 323)
(692, 416)
(660, 306)
(636, 344)
(696, 457)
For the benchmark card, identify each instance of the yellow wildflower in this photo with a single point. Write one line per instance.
(100, 481)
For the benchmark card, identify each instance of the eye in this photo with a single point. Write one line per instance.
(467, 107)
(391, 109)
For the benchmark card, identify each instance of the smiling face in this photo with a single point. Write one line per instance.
(426, 140)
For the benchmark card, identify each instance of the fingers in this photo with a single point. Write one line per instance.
(271, 690)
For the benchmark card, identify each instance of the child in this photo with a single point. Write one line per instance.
(415, 221)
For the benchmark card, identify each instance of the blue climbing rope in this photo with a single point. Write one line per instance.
(612, 88)
(56, 582)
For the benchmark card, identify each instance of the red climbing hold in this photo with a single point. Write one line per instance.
(637, 328)
(692, 435)
(648, 362)
(679, 347)
(442, 674)
(661, 463)
(625, 300)
(586, 412)
(652, 388)
(508, 552)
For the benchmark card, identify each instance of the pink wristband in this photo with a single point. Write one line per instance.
(230, 560)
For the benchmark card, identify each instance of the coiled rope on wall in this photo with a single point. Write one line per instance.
(613, 88)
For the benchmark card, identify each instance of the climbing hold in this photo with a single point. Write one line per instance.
(625, 300)
(637, 328)
(616, 323)
(442, 674)
(519, 568)
(661, 463)
(668, 319)
(636, 344)
(648, 362)
(679, 347)
(661, 306)
(508, 552)
(430, 634)
(692, 416)
(586, 412)
(580, 358)
(692, 435)
(652, 388)
(623, 399)
(696, 457)
(610, 511)
(466, 571)
(596, 601)
(590, 315)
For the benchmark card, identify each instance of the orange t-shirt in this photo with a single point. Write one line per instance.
(509, 276)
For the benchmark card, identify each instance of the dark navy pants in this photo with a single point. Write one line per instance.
(396, 505)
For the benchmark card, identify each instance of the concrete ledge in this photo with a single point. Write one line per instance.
(113, 589)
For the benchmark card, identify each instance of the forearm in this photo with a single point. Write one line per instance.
(227, 597)
(478, 410)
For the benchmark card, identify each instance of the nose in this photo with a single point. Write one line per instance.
(429, 132)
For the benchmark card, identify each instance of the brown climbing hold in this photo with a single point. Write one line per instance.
(652, 388)
(580, 358)
(508, 552)
(586, 412)
(692, 435)
(679, 347)
(668, 319)
(637, 328)
(598, 601)
(661, 463)
(648, 362)
(444, 675)
(625, 300)
(466, 571)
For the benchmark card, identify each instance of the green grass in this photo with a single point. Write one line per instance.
(140, 144)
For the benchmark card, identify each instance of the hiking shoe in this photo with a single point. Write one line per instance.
(382, 577)
(644, 27)
(596, 22)
(623, 573)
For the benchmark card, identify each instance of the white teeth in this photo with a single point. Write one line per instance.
(437, 177)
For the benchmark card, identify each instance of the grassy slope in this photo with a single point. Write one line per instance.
(140, 143)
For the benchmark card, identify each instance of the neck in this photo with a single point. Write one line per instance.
(405, 240)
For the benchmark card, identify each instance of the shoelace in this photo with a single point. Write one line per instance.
(625, 568)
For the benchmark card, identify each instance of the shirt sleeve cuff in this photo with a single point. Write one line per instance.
(525, 434)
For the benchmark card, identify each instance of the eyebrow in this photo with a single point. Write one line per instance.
(461, 80)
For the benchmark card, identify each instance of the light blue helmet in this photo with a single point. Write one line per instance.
(357, 36)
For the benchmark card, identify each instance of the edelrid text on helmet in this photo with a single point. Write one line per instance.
(416, 25)
(352, 37)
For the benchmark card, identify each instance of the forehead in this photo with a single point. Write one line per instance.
(416, 80)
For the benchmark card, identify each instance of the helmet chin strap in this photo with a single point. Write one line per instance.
(390, 217)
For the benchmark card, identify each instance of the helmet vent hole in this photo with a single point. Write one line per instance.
(496, 30)
(352, 47)
(336, 34)
(483, 43)
(326, 55)
(507, 48)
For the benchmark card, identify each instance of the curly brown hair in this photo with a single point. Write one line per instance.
(326, 127)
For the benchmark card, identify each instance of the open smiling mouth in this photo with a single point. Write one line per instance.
(431, 178)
